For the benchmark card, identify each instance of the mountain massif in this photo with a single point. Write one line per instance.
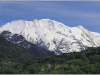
(53, 36)
(20, 41)
(48, 47)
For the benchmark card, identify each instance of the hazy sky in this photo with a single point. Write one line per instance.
(71, 13)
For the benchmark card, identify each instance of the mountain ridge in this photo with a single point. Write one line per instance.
(54, 36)
(20, 41)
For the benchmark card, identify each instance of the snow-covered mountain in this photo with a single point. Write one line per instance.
(53, 36)
(21, 42)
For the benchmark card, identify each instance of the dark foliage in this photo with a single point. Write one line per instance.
(14, 60)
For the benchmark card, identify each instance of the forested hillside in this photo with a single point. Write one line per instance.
(18, 61)
(11, 55)
(85, 62)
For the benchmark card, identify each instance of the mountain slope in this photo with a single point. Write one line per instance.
(53, 36)
(11, 53)
(20, 41)
(84, 62)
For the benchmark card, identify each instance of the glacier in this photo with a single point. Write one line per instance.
(54, 36)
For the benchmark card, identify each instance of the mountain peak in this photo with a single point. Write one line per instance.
(46, 19)
(53, 35)
(80, 26)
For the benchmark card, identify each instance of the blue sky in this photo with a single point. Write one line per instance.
(71, 13)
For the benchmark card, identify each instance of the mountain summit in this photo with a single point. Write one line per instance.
(53, 36)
